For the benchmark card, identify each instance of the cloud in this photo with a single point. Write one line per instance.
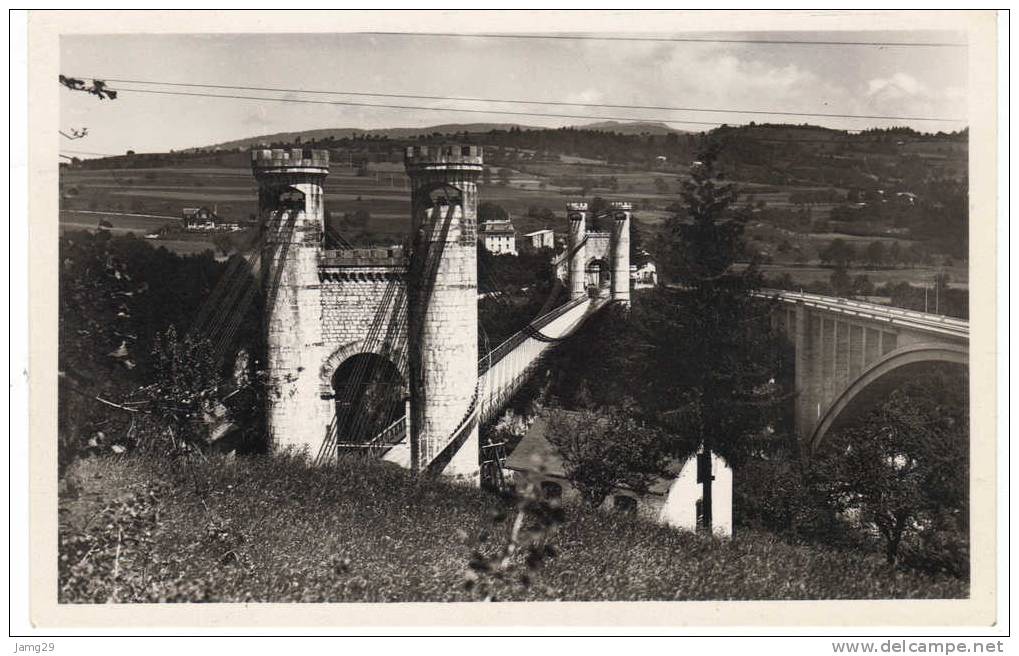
(899, 85)
(586, 96)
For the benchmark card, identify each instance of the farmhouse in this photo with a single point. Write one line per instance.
(673, 501)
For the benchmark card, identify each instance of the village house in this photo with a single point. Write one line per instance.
(197, 219)
(499, 237)
(674, 501)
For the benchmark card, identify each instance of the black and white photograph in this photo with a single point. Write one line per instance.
(469, 314)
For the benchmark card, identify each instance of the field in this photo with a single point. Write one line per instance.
(917, 276)
(273, 529)
(226, 184)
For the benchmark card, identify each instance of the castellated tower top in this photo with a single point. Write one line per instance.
(579, 206)
(621, 205)
(288, 160)
(447, 156)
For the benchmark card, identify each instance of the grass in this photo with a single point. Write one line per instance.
(134, 529)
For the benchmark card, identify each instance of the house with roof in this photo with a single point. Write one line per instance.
(674, 500)
(498, 236)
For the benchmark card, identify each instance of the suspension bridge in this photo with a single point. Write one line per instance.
(376, 350)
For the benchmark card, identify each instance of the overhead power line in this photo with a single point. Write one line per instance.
(515, 101)
(503, 112)
(770, 42)
(351, 103)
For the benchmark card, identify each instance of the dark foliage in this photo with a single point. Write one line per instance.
(903, 468)
(607, 449)
(118, 294)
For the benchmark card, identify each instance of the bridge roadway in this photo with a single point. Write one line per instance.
(851, 354)
(503, 370)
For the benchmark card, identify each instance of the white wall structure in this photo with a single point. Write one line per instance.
(541, 239)
(680, 509)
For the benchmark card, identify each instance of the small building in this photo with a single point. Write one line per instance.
(644, 276)
(674, 501)
(540, 239)
(199, 218)
(499, 237)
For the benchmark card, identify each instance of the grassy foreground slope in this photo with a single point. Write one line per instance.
(261, 529)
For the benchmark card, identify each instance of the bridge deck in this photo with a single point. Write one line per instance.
(920, 321)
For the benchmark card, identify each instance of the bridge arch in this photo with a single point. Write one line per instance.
(368, 393)
(881, 377)
(343, 353)
(598, 271)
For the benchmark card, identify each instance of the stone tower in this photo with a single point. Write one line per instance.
(620, 256)
(290, 215)
(443, 309)
(577, 215)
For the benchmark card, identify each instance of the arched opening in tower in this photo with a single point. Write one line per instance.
(369, 395)
(599, 275)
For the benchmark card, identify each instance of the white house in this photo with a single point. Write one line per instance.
(498, 236)
(644, 276)
(673, 501)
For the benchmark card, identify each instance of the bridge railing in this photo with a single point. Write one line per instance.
(517, 338)
(922, 321)
(397, 432)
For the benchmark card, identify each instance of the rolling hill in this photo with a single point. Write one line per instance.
(618, 127)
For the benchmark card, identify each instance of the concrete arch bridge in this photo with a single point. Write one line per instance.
(850, 354)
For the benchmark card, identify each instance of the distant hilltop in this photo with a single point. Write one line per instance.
(621, 127)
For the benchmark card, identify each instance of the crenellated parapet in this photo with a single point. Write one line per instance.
(282, 160)
(443, 156)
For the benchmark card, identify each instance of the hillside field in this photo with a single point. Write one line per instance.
(259, 529)
(787, 235)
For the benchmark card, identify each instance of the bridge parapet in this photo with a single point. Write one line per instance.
(936, 324)
(362, 264)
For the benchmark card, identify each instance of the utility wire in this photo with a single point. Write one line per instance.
(770, 42)
(414, 107)
(528, 102)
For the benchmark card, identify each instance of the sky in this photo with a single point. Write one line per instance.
(841, 79)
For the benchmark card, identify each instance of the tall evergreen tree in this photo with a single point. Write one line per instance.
(716, 358)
